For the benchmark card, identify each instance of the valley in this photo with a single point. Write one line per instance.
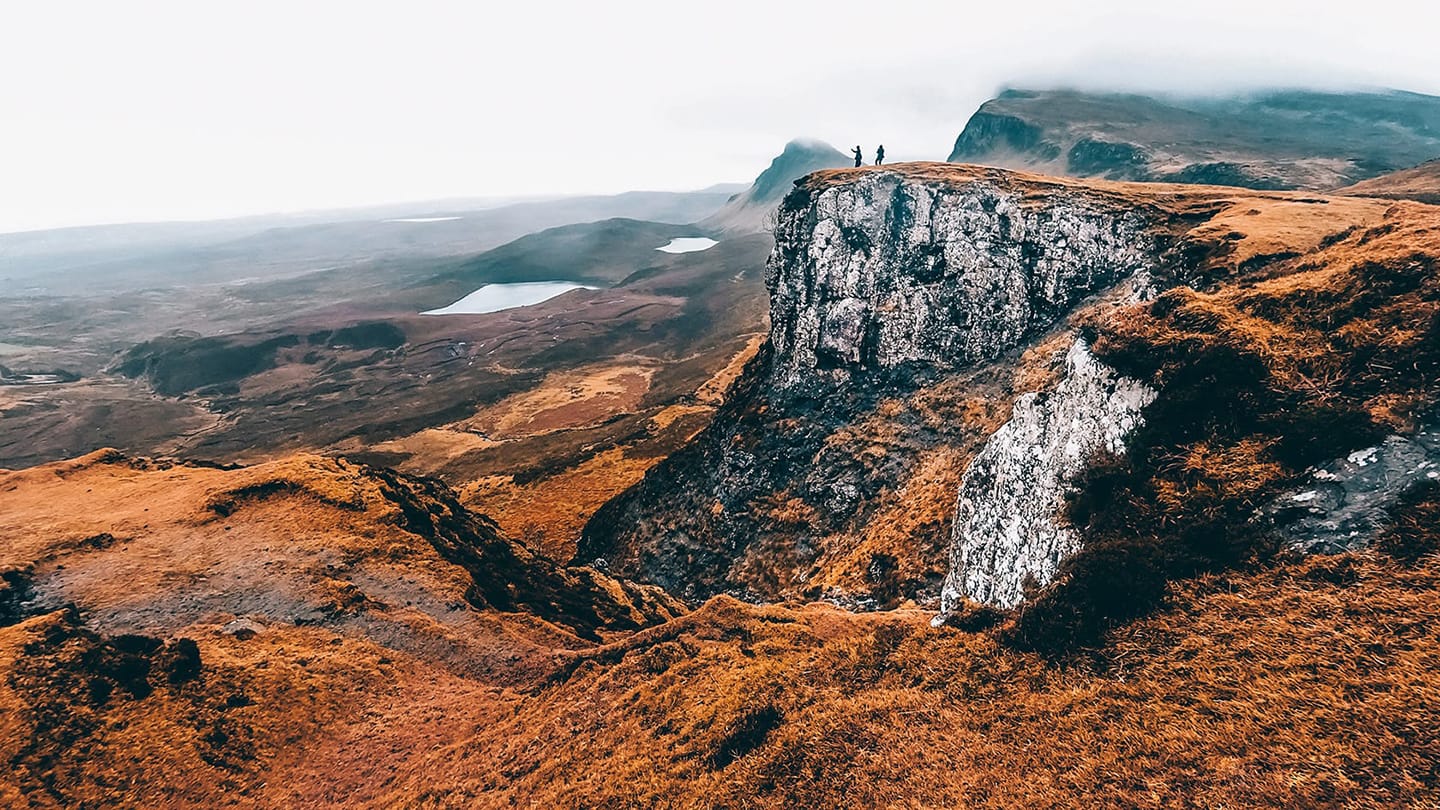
(1073, 471)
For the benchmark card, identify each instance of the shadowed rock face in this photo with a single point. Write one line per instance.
(1008, 528)
(881, 283)
(1347, 502)
(507, 576)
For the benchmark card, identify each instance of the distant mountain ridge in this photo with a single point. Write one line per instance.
(67, 260)
(746, 212)
(1274, 140)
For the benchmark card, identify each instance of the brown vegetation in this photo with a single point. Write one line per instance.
(1302, 684)
(313, 632)
(1307, 685)
(1294, 363)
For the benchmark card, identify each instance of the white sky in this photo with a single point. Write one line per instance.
(141, 110)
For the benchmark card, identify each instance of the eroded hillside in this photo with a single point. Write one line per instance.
(1165, 384)
(173, 633)
(911, 307)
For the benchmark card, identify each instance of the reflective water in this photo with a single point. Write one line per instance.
(688, 244)
(495, 297)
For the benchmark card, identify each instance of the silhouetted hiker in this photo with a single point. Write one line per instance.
(880, 155)
(859, 158)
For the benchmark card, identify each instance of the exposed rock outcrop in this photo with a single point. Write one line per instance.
(882, 283)
(1008, 527)
(1347, 502)
(509, 577)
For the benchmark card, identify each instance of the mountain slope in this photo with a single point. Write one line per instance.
(915, 308)
(1421, 183)
(1275, 140)
(317, 632)
(170, 633)
(749, 211)
(360, 675)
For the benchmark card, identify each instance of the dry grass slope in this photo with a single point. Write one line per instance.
(1306, 685)
(1296, 362)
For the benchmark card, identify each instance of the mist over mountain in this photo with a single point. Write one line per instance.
(1269, 140)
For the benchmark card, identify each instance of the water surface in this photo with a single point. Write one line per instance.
(495, 297)
(688, 244)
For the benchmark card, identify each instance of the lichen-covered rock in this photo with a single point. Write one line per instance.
(1008, 524)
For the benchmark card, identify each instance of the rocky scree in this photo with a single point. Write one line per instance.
(1348, 501)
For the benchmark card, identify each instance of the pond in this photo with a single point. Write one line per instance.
(495, 297)
(688, 244)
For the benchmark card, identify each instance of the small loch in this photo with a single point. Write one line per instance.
(688, 244)
(495, 297)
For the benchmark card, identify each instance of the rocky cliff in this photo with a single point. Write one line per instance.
(924, 325)
(901, 303)
(890, 269)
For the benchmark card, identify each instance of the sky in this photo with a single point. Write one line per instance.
(148, 110)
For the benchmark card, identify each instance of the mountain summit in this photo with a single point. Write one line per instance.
(1275, 140)
(746, 212)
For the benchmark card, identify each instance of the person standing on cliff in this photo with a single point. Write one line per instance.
(859, 157)
(879, 155)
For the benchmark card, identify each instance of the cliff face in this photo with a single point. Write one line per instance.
(886, 287)
(886, 270)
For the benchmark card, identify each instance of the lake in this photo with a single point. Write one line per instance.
(688, 244)
(495, 297)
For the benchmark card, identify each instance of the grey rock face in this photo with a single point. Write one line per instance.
(1007, 525)
(885, 271)
(1346, 501)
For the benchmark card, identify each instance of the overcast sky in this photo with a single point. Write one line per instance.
(124, 111)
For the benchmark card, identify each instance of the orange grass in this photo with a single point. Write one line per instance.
(1308, 685)
(1296, 363)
